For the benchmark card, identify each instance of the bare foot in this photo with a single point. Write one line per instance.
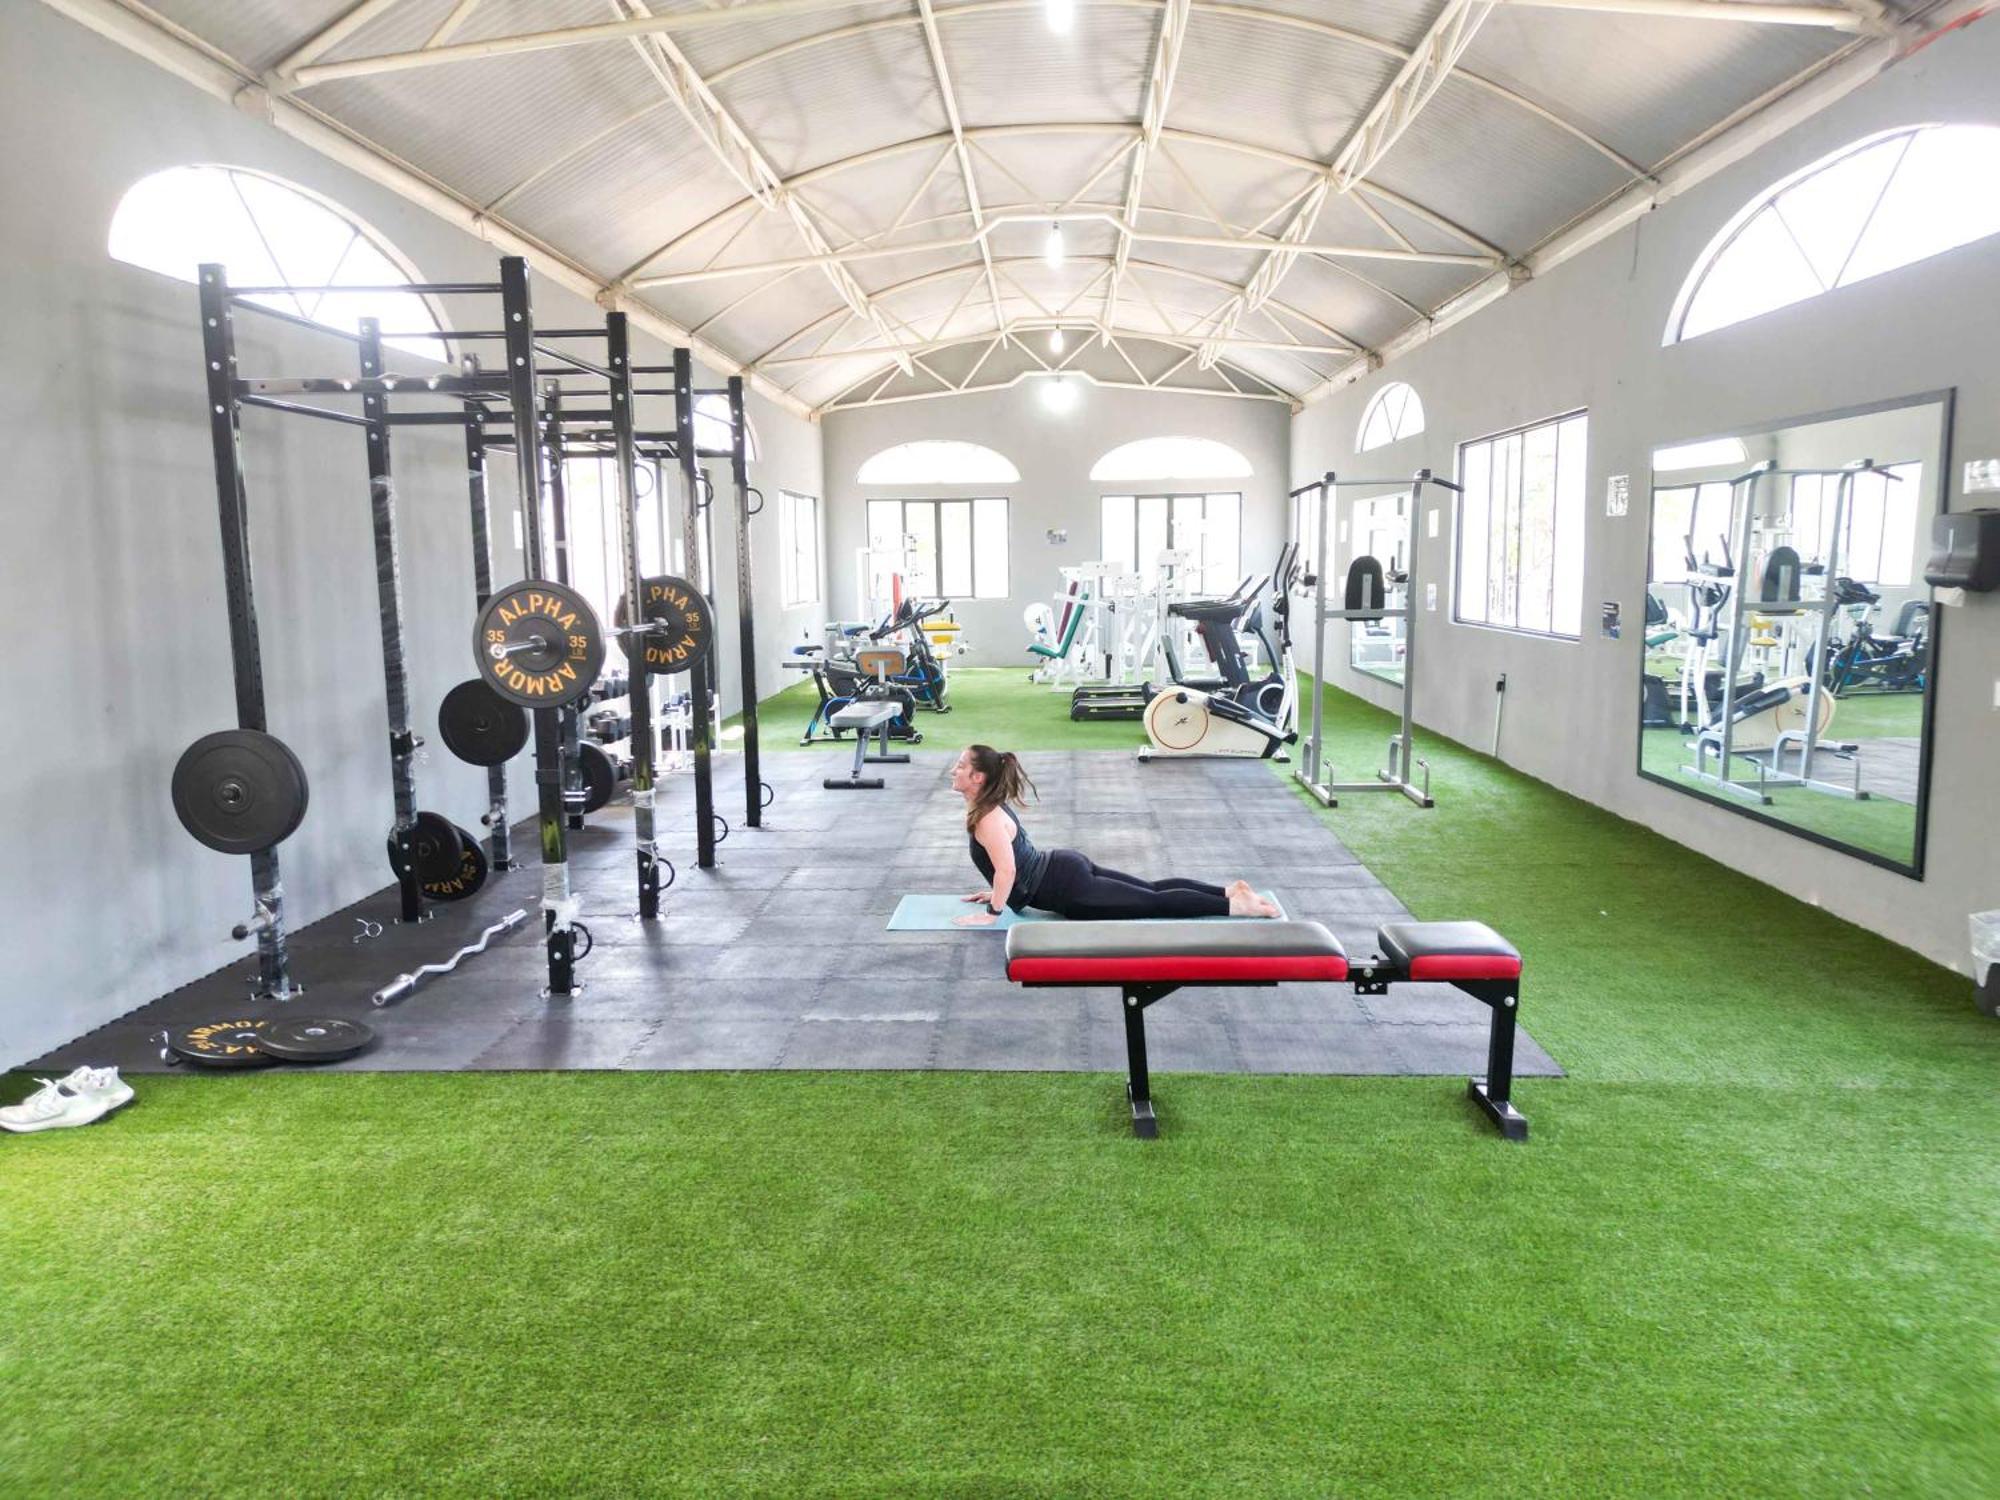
(1247, 903)
(1238, 888)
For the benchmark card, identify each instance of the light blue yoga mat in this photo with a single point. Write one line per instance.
(931, 913)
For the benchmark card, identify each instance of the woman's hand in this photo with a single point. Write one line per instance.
(975, 919)
(985, 898)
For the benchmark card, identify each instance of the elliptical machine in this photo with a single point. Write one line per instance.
(1245, 718)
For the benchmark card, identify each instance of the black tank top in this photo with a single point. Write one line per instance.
(1028, 864)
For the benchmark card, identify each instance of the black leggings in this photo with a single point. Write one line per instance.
(1074, 886)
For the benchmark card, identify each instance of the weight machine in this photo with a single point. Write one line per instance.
(1365, 599)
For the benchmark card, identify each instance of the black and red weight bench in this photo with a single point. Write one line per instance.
(1148, 961)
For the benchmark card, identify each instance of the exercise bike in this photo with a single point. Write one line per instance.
(840, 681)
(1869, 663)
(1245, 718)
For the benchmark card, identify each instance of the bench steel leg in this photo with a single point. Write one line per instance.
(885, 757)
(1138, 1082)
(855, 781)
(1494, 1093)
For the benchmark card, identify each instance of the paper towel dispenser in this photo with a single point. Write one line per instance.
(1965, 551)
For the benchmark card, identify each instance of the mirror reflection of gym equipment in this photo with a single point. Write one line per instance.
(1788, 630)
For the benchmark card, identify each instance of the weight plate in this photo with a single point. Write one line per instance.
(239, 791)
(313, 1039)
(480, 726)
(600, 776)
(436, 846)
(688, 626)
(221, 1044)
(549, 645)
(469, 877)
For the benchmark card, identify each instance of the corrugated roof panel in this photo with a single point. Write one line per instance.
(626, 196)
(409, 24)
(761, 322)
(1400, 23)
(481, 127)
(1494, 169)
(256, 33)
(1643, 85)
(868, 198)
(1245, 189)
(1280, 87)
(1055, 165)
(838, 100)
(713, 49)
(1008, 67)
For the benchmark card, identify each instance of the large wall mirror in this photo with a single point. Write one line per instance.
(1789, 633)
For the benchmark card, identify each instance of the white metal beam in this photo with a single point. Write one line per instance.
(1782, 109)
(740, 156)
(1069, 216)
(876, 399)
(949, 97)
(1750, 12)
(1152, 119)
(459, 15)
(1414, 85)
(232, 83)
(1043, 325)
(546, 41)
(329, 36)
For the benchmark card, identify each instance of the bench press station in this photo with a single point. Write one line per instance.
(866, 716)
(1148, 961)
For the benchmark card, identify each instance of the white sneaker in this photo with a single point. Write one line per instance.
(87, 1094)
(103, 1084)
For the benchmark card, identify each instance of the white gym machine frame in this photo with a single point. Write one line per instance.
(1313, 772)
(1771, 772)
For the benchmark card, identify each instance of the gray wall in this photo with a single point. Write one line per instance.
(1054, 455)
(113, 564)
(1588, 335)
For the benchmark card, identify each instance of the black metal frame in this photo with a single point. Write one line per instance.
(500, 838)
(535, 430)
(389, 595)
(245, 648)
(1493, 1092)
(698, 672)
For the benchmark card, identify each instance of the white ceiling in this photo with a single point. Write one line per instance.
(1411, 147)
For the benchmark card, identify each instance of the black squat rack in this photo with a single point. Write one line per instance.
(214, 793)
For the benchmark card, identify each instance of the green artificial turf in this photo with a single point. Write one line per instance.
(1751, 1249)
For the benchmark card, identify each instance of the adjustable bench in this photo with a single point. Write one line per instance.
(866, 716)
(1148, 961)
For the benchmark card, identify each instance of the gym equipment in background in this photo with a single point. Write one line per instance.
(1246, 717)
(1365, 599)
(1864, 662)
(1766, 724)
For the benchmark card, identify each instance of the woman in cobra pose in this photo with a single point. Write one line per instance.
(1065, 881)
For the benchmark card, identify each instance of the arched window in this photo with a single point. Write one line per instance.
(1878, 204)
(938, 462)
(1394, 412)
(1172, 458)
(711, 426)
(269, 233)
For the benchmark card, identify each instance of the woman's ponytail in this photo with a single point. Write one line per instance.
(1006, 781)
